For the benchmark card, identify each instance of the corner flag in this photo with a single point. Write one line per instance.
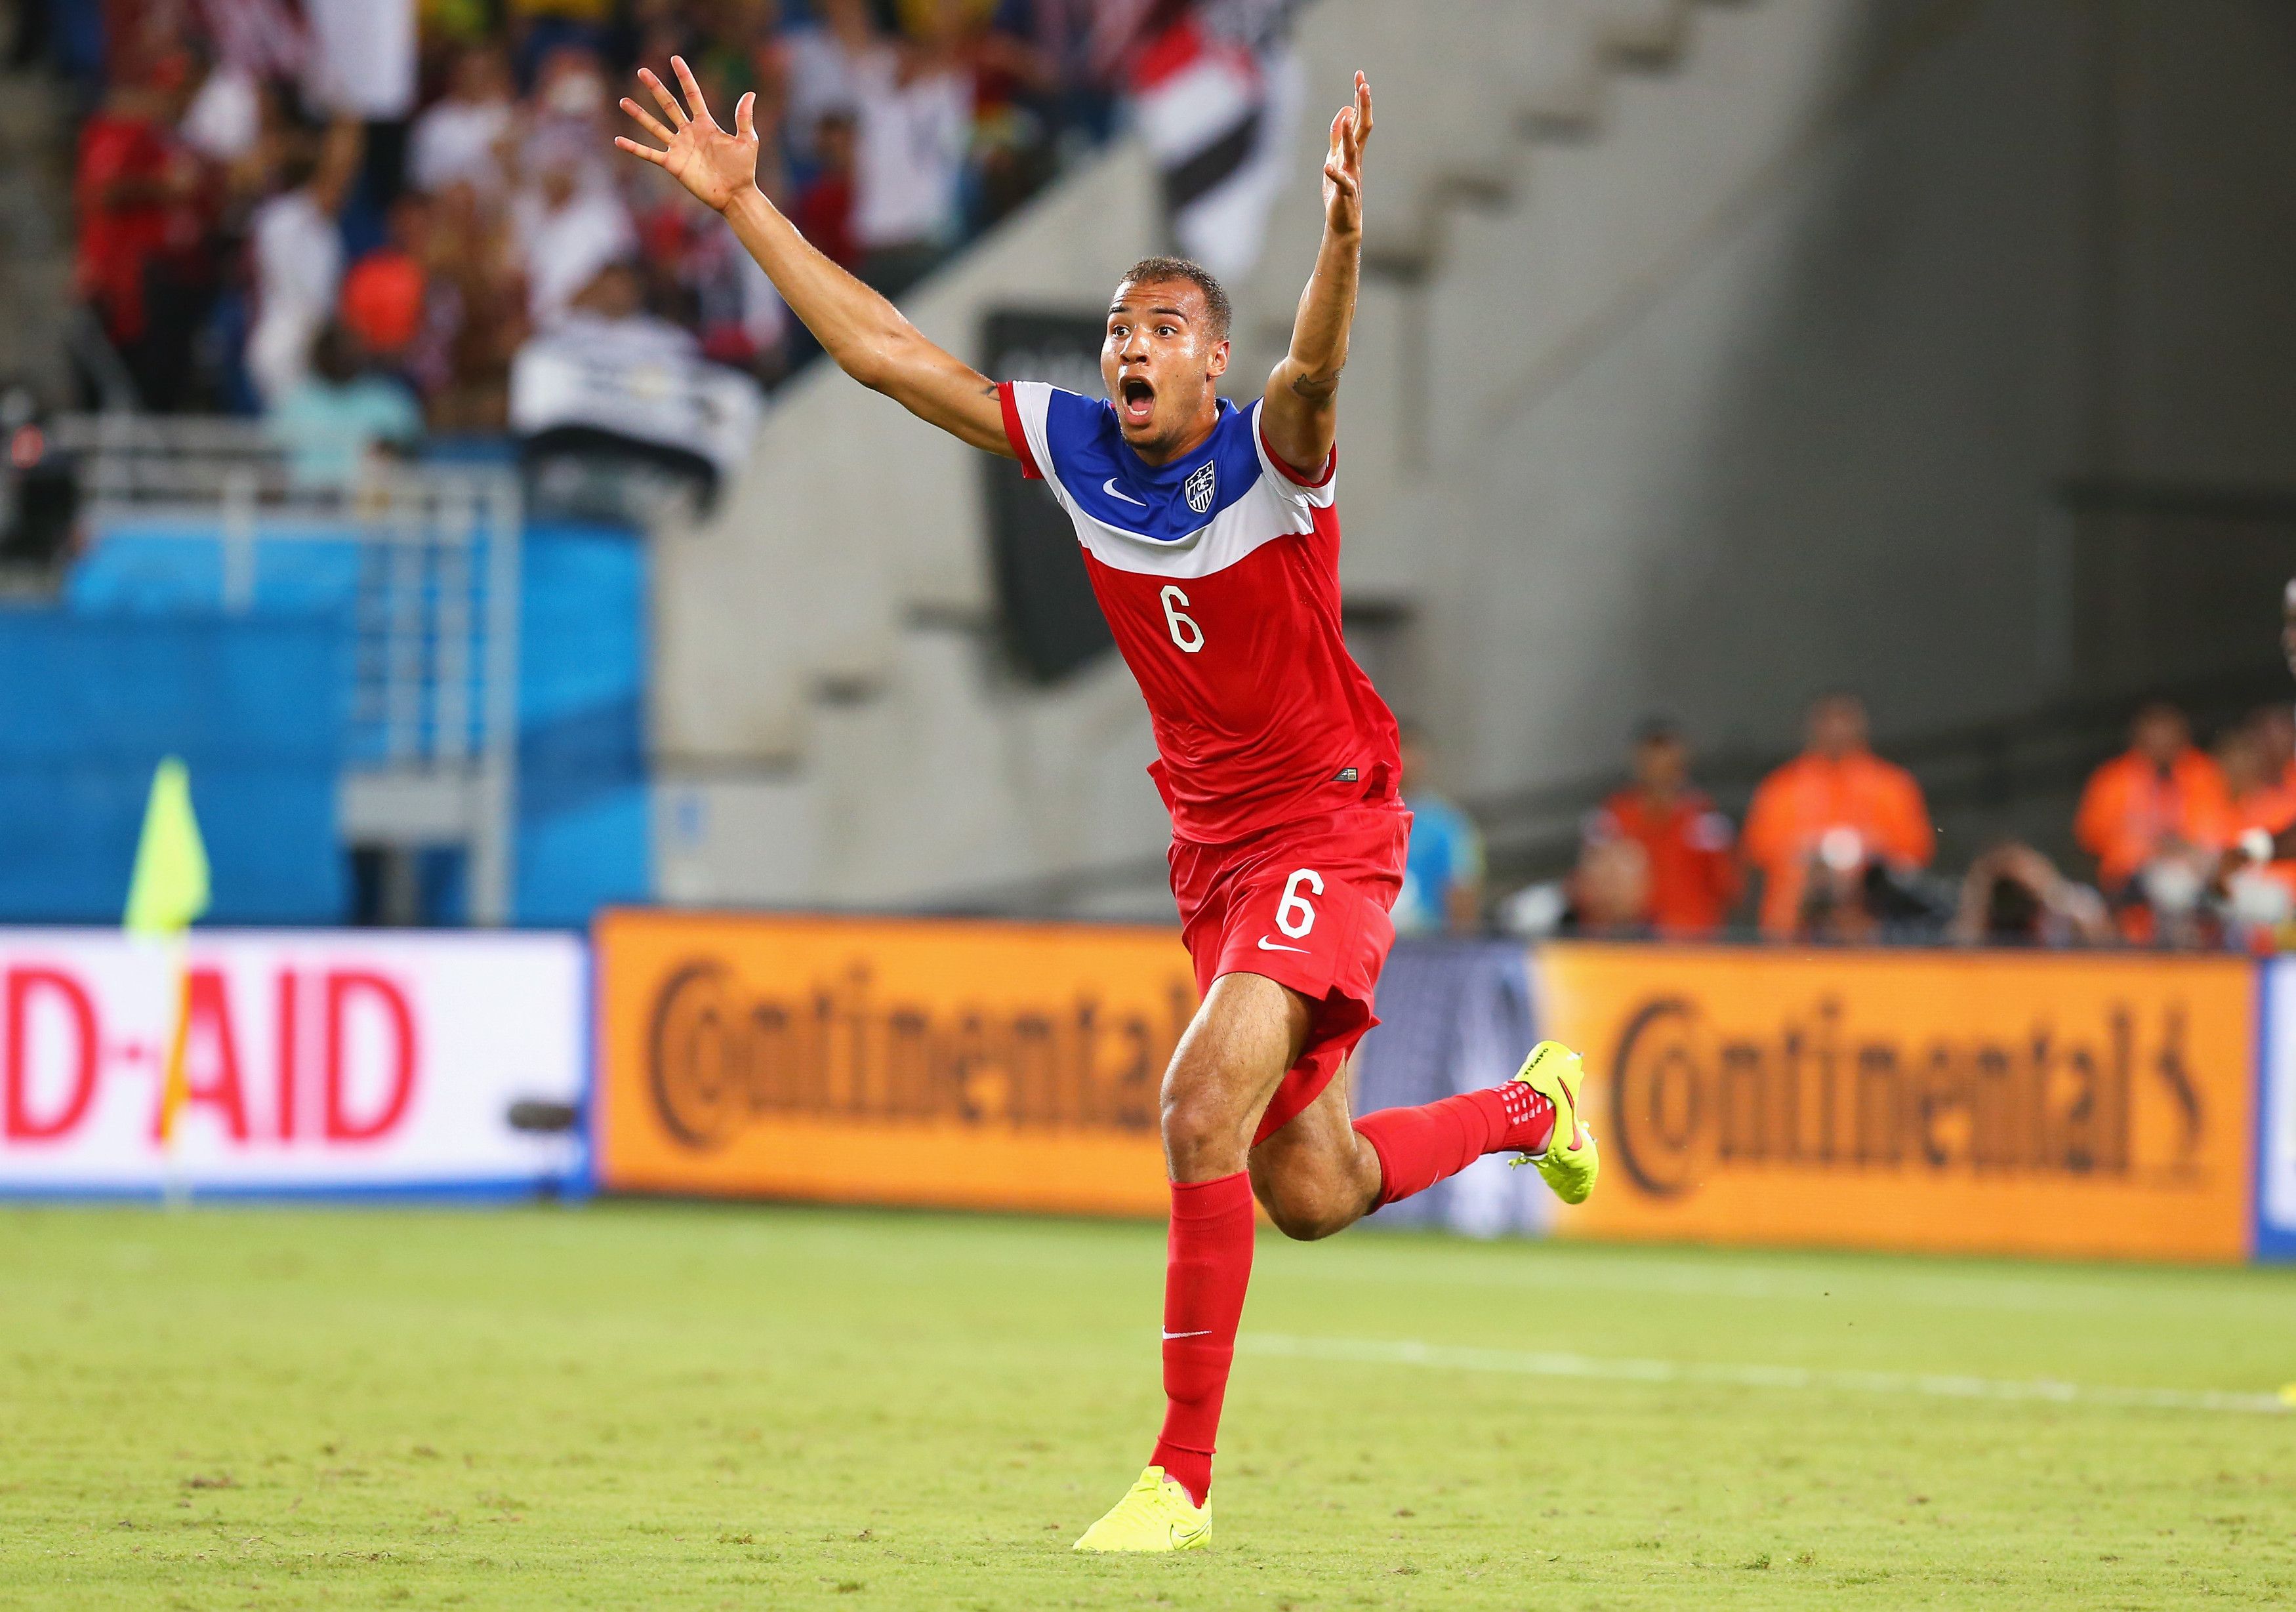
(169, 887)
(168, 890)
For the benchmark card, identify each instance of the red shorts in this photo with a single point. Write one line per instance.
(1307, 905)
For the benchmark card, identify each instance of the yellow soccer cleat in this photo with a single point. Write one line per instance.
(1555, 1072)
(1155, 1514)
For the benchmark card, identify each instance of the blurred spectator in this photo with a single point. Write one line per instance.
(607, 321)
(258, 40)
(539, 26)
(2257, 759)
(361, 61)
(825, 206)
(464, 137)
(2254, 785)
(912, 114)
(1443, 871)
(618, 410)
(224, 119)
(384, 293)
(2154, 817)
(297, 256)
(2272, 806)
(474, 313)
(1692, 875)
(2252, 759)
(1822, 821)
(1606, 896)
(1014, 79)
(569, 223)
(1609, 892)
(341, 412)
(142, 264)
(817, 75)
(2013, 896)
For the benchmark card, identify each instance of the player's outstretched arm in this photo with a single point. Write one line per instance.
(864, 334)
(1301, 416)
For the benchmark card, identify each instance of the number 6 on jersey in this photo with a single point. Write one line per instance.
(1294, 903)
(1193, 638)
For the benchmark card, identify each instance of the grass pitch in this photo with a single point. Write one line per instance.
(671, 1406)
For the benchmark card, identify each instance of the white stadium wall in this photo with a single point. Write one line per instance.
(1712, 354)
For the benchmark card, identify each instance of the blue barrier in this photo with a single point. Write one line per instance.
(583, 838)
(253, 704)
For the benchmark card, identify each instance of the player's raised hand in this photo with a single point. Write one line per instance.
(1343, 166)
(716, 167)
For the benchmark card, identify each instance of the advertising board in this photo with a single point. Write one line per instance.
(2276, 1122)
(319, 1060)
(2025, 1102)
(887, 1060)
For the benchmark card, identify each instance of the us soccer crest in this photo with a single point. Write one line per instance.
(1199, 487)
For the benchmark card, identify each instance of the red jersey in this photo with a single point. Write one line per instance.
(1694, 877)
(1220, 574)
(116, 239)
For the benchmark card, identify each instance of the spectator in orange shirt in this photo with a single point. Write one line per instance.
(1692, 876)
(2276, 728)
(2270, 733)
(2150, 813)
(1837, 808)
(2253, 759)
(2254, 770)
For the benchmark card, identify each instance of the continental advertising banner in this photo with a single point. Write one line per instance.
(1986, 1102)
(313, 1061)
(917, 1062)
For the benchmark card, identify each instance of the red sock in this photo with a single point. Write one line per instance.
(1419, 1147)
(1208, 1266)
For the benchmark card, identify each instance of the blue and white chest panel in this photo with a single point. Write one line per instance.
(1200, 514)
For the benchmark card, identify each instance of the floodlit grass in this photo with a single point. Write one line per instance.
(673, 1406)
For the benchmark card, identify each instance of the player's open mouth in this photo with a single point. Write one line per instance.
(1139, 400)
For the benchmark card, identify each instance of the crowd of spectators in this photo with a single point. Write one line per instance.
(1838, 848)
(418, 187)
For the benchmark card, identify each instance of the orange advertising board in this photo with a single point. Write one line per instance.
(1992, 1101)
(887, 1060)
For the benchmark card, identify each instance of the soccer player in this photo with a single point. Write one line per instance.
(1212, 541)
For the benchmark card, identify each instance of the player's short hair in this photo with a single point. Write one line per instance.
(1162, 268)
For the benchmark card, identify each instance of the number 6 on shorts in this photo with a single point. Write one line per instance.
(1293, 902)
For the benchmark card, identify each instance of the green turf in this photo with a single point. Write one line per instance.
(664, 1406)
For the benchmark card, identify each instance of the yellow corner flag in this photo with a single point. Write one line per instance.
(168, 890)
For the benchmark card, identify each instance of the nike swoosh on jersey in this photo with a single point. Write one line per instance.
(1113, 491)
(1266, 944)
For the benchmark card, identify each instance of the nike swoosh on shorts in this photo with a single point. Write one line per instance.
(1266, 944)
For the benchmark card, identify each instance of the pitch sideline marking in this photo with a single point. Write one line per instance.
(1622, 1369)
(1705, 1281)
